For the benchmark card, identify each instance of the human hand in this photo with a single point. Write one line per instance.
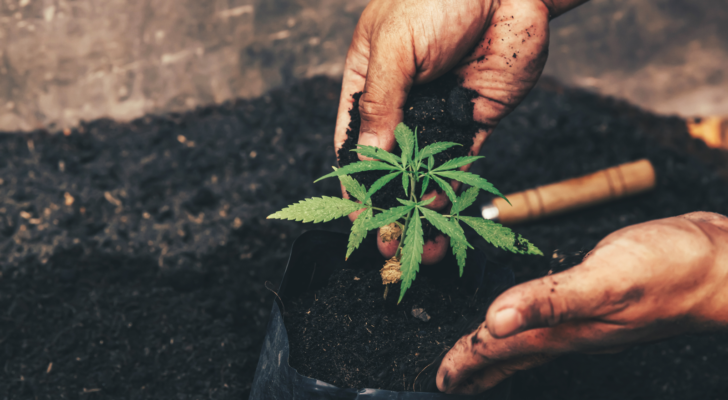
(404, 42)
(642, 283)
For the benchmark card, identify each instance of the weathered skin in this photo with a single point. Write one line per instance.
(644, 282)
(400, 43)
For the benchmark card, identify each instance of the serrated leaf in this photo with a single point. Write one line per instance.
(405, 183)
(354, 188)
(425, 183)
(421, 203)
(358, 231)
(411, 255)
(318, 209)
(417, 148)
(500, 236)
(379, 154)
(406, 140)
(445, 225)
(447, 189)
(387, 217)
(472, 180)
(465, 200)
(430, 163)
(379, 183)
(459, 248)
(457, 162)
(432, 149)
(359, 166)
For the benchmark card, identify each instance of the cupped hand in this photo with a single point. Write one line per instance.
(641, 283)
(399, 43)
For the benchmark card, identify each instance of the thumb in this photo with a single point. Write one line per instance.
(549, 301)
(390, 74)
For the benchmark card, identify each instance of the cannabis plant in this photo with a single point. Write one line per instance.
(415, 165)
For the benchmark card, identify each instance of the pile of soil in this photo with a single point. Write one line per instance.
(148, 280)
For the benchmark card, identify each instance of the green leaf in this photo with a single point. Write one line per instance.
(354, 188)
(417, 149)
(318, 209)
(360, 166)
(419, 203)
(379, 154)
(465, 200)
(430, 163)
(500, 236)
(459, 248)
(379, 183)
(405, 182)
(425, 183)
(411, 256)
(358, 231)
(458, 162)
(387, 217)
(446, 226)
(472, 180)
(406, 140)
(447, 189)
(432, 149)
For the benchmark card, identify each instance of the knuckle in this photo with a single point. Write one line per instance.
(371, 107)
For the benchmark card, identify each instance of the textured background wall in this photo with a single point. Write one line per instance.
(66, 60)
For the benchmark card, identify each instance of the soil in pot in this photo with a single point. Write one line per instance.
(348, 335)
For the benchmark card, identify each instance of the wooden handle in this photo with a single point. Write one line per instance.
(607, 184)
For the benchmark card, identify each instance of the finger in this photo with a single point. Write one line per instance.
(389, 77)
(592, 289)
(491, 376)
(355, 70)
(508, 61)
(433, 251)
(479, 350)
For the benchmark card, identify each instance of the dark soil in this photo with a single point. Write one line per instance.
(348, 335)
(100, 300)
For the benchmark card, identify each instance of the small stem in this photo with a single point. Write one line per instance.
(401, 238)
(378, 209)
(386, 291)
(446, 216)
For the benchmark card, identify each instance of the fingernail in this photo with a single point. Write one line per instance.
(507, 322)
(369, 139)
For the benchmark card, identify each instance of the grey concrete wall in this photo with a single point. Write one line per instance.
(66, 60)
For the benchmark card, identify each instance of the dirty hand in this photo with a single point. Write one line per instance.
(398, 43)
(641, 283)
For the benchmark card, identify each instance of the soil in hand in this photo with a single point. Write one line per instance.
(348, 335)
(439, 111)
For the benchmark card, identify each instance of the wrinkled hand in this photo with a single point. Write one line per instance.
(641, 283)
(398, 43)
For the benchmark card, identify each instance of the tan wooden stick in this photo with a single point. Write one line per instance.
(607, 184)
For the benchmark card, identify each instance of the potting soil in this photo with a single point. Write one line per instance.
(135, 256)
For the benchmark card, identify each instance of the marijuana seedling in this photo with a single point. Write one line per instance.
(413, 166)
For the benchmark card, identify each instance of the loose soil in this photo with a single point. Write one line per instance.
(154, 291)
(348, 335)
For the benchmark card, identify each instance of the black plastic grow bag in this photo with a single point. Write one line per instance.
(315, 255)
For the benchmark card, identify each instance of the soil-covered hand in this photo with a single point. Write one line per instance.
(398, 43)
(641, 283)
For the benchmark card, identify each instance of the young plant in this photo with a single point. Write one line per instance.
(413, 166)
